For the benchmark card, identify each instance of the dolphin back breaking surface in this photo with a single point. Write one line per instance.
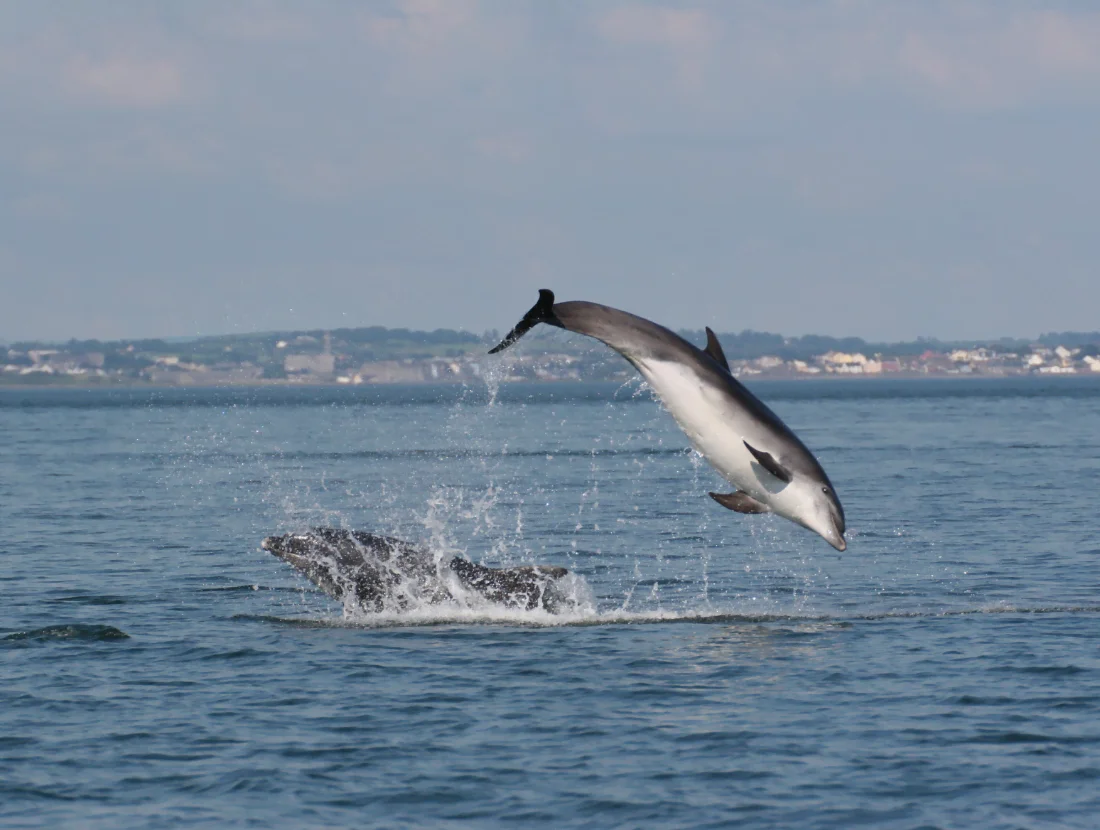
(376, 574)
(733, 429)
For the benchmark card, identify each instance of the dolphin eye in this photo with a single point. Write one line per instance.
(825, 490)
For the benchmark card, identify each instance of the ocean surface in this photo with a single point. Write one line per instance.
(159, 670)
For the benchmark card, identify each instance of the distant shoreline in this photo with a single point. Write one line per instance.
(128, 383)
(379, 356)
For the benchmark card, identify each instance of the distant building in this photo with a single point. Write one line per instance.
(312, 364)
(392, 371)
(969, 356)
(92, 360)
(1065, 356)
(843, 358)
(59, 362)
(40, 356)
(220, 374)
(844, 363)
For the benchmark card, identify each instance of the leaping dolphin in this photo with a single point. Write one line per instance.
(730, 427)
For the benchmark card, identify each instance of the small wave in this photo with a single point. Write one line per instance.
(242, 589)
(451, 615)
(519, 618)
(987, 609)
(235, 654)
(78, 631)
(92, 599)
(1018, 737)
(442, 454)
(291, 622)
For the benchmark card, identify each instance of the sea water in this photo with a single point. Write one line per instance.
(160, 670)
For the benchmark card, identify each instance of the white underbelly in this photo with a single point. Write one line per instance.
(716, 427)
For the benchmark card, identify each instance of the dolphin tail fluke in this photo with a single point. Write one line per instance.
(541, 312)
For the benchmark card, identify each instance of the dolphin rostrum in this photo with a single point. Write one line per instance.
(729, 426)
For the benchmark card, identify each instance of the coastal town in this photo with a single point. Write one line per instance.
(386, 356)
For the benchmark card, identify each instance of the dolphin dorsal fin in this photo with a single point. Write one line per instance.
(714, 349)
(740, 502)
(768, 462)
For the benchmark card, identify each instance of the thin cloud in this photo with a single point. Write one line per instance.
(124, 81)
(421, 23)
(1003, 62)
(264, 23)
(668, 27)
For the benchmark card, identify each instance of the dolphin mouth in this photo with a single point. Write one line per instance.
(278, 546)
(836, 537)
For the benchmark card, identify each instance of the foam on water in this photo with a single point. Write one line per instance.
(492, 614)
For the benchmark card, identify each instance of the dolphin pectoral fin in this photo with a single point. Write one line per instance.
(714, 349)
(740, 502)
(541, 312)
(768, 462)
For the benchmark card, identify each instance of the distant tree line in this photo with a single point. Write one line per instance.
(380, 342)
(381, 334)
(1070, 339)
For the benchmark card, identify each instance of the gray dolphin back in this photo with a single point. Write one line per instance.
(640, 340)
(635, 338)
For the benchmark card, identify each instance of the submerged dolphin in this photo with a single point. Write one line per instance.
(729, 426)
(378, 573)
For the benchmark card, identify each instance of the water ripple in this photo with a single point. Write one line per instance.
(76, 632)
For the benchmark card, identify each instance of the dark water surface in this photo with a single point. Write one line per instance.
(160, 670)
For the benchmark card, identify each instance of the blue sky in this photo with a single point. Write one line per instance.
(841, 167)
